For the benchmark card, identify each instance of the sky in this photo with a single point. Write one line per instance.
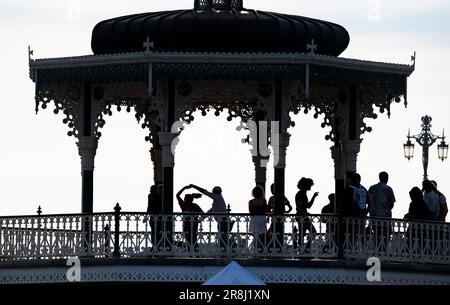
(39, 163)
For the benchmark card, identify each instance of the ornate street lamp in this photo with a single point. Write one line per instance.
(425, 139)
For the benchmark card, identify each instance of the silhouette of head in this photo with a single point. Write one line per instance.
(331, 198)
(415, 194)
(217, 190)
(384, 177)
(258, 192)
(434, 184)
(189, 198)
(153, 189)
(305, 184)
(159, 189)
(272, 188)
(357, 178)
(427, 186)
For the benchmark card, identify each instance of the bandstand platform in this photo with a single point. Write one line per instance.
(256, 66)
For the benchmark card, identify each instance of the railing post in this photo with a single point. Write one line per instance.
(117, 209)
(340, 236)
(38, 220)
(107, 234)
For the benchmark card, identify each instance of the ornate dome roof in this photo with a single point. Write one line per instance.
(218, 26)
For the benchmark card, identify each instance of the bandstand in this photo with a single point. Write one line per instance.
(259, 67)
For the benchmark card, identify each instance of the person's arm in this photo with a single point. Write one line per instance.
(288, 205)
(443, 206)
(391, 199)
(311, 202)
(202, 190)
(298, 202)
(181, 201)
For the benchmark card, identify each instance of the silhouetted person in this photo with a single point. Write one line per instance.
(431, 199)
(418, 210)
(361, 196)
(190, 224)
(218, 205)
(354, 206)
(301, 199)
(348, 208)
(257, 208)
(382, 197)
(287, 208)
(154, 208)
(382, 201)
(303, 204)
(329, 208)
(443, 208)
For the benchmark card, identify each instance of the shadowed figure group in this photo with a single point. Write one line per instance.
(218, 209)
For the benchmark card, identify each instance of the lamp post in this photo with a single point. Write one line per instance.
(425, 139)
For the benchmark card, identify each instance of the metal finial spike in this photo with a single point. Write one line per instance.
(148, 45)
(30, 53)
(311, 47)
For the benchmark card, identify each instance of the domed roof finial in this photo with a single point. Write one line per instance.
(218, 5)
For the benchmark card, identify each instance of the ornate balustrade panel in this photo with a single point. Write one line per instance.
(55, 236)
(397, 240)
(227, 235)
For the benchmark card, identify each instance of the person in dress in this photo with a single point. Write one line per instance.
(257, 208)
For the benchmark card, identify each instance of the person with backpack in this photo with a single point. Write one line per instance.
(357, 197)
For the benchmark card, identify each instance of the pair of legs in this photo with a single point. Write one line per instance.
(190, 230)
(305, 225)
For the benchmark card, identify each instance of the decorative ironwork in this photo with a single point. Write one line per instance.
(199, 273)
(55, 236)
(397, 240)
(323, 100)
(219, 5)
(240, 99)
(229, 235)
(66, 100)
(134, 95)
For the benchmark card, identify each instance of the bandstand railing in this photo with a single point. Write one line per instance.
(396, 240)
(134, 234)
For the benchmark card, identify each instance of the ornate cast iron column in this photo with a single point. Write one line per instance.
(351, 150)
(168, 162)
(87, 148)
(260, 150)
(156, 156)
(260, 163)
(280, 158)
